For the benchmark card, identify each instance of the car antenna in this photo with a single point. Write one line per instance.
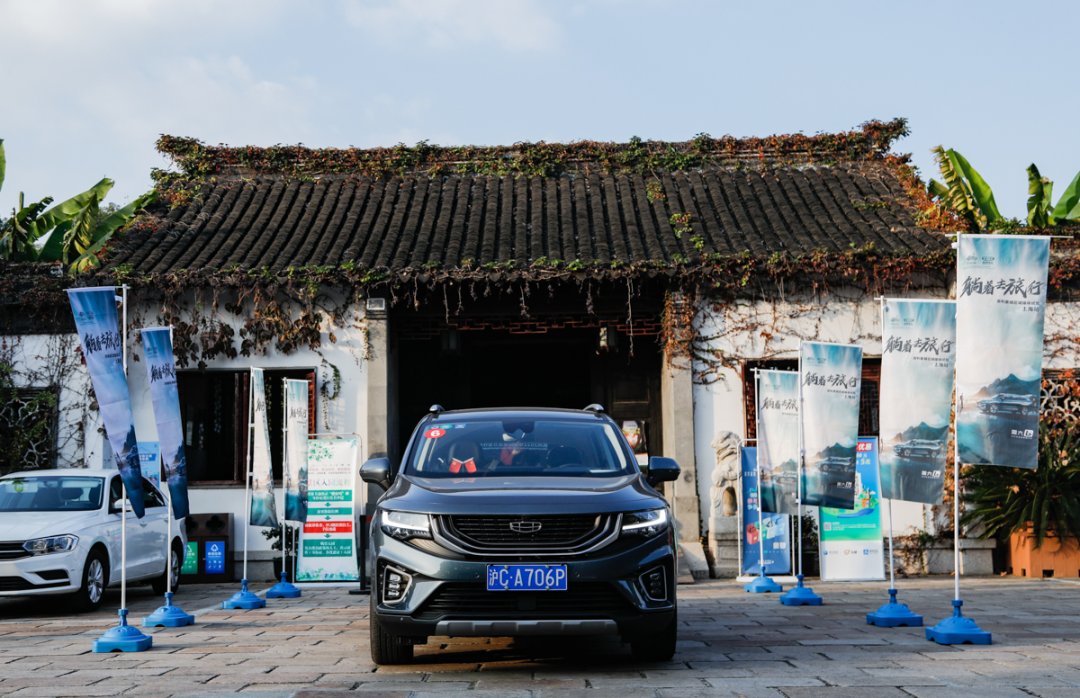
(595, 407)
(436, 409)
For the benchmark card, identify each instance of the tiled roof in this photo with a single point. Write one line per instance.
(417, 219)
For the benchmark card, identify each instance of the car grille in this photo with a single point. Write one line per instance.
(12, 550)
(469, 601)
(518, 535)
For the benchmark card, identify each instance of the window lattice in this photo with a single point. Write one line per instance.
(1060, 396)
(28, 430)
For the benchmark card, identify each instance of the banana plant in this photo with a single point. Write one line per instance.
(964, 190)
(72, 232)
(1042, 213)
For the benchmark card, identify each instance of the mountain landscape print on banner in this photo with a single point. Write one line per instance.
(1000, 319)
(829, 477)
(831, 380)
(917, 368)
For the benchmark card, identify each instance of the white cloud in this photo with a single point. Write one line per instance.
(516, 25)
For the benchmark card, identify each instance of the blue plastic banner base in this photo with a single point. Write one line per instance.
(168, 616)
(800, 595)
(958, 630)
(283, 589)
(894, 615)
(123, 638)
(763, 585)
(244, 599)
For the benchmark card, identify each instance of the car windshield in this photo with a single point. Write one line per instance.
(51, 493)
(500, 448)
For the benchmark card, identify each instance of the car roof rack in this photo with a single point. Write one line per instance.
(436, 409)
(595, 407)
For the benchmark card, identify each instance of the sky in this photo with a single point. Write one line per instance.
(88, 85)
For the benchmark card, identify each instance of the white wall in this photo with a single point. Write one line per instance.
(755, 330)
(345, 414)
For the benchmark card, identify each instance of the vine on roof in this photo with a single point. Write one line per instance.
(199, 162)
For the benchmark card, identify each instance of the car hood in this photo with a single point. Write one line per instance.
(520, 495)
(24, 525)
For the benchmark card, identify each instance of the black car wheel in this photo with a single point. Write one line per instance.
(386, 648)
(656, 647)
(95, 578)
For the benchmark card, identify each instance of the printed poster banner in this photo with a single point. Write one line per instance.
(778, 440)
(850, 540)
(918, 339)
(831, 376)
(161, 372)
(775, 530)
(296, 438)
(1000, 307)
(263, 509)
(150, 461)
(97, 323)
(327, 542)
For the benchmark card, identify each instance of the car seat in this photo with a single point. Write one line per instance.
(464, 457)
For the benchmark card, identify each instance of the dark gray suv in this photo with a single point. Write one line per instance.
(512, 522)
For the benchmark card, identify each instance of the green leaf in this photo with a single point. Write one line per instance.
(1068, 206)
(978, 188)
(66, 210)
(3, 163)
(1040, 193)
(104, 230)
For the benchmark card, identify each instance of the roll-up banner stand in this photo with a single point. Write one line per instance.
(850, 541)
(327, 548)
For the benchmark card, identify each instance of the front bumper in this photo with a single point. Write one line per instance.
(448, 595)
(56, 573)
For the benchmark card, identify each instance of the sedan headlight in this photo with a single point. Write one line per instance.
(54, 544)
(403, 525)
(645, 523)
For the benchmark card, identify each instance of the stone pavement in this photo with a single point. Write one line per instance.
(732, 643)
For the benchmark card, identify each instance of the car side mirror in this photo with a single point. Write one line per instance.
(376, 471)
(662, 469)
(115, 507)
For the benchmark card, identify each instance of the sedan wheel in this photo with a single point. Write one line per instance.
(94, 580)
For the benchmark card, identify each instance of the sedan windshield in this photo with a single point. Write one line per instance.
(51, 493)
(501, 448)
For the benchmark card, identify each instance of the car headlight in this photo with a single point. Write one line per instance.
(403, 525)
(645, 523)
(53, 544)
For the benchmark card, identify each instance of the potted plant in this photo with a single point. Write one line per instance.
(1037, 511)
(273, 534)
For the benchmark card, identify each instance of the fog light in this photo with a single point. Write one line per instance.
(396, 583)
(654, 584)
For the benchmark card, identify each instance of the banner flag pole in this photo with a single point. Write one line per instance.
(957, 629)
(168, 616)
(245, 599)
(800, 595)
(123, 637)
(284, 589)
(892, 614)
(763, 584)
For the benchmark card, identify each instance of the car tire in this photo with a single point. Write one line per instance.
(159, 583)
(386, 648)
(95, 578)
(658, 646)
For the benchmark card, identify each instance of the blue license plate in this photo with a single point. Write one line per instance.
(526, 577)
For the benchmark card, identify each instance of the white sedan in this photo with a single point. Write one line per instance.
(60, 534)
